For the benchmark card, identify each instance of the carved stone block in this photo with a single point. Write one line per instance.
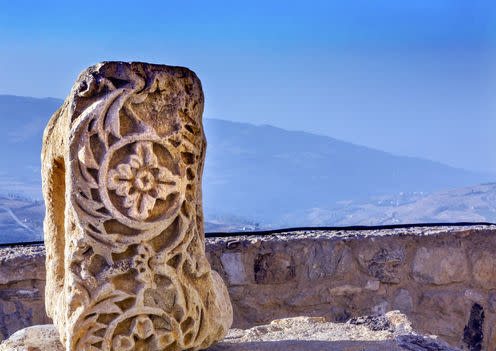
(122, 165)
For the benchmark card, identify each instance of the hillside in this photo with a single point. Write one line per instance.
(255, 175)
(266, 173)
(21, 220)
(468, 204)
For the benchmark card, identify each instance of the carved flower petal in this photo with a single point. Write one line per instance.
(131, 200)
(164, 175)
(149, 157)
(125, 171)
(163, 190)
(123, 188)
(146, 205)
(116, 177)
(138, 149)
(135, 161)
(144, 150)
(133, 212)
(123, 342)
(142, 327)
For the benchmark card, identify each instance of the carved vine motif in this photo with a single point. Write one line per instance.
(135, 273)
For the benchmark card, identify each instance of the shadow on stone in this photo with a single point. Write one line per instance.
(309, 345)
(473, 332)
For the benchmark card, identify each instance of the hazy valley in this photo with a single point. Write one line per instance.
(261, 177)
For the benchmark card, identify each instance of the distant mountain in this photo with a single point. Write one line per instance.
(21, 219)
(259, 175)
(266, 173)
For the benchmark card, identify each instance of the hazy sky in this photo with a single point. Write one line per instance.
(414, 78)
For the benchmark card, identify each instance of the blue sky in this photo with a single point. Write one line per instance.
(415, 78)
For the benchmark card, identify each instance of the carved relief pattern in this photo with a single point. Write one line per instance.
(141, 181)
(138, 266)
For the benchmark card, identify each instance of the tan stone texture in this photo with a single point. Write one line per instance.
(384, 264)
(392, 332)
(484, 267)
(447, 305)
(35, 338)
(440, 265)
(122, 165)
(403, 301)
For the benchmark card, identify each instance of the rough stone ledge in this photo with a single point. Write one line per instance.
(9, 254)
(391, 331)
(357, 234)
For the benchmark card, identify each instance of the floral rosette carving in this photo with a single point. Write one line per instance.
(141, 181)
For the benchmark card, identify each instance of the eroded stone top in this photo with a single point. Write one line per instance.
(14, 252)
(355, 234)
(8, 253)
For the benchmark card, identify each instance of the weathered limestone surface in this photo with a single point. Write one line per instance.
(336, 275)
(392, 332)
(122, 163)
(35, 338)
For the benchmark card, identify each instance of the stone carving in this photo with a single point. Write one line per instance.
(149, 180)
(122, 165)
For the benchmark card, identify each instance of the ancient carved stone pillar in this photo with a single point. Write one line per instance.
(122, 165)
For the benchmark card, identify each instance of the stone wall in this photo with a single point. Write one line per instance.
(443, 278)
(22, 288)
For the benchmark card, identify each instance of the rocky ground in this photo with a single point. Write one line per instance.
(391, 331)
